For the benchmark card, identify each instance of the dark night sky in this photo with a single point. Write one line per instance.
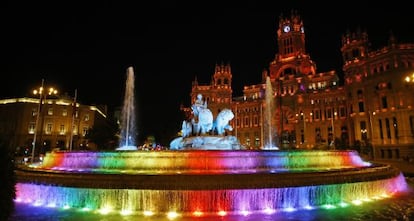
(88, 46)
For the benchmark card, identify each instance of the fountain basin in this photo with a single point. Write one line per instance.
(200, 161)
(207, 181)
(216, 182)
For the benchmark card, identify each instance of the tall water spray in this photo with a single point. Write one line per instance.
(128, 127)
(269, 130)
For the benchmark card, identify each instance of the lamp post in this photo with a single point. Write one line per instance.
(42, 96)
(303, 116)
(73, 121)
(333, 129)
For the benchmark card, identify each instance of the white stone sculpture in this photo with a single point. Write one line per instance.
(222, 121)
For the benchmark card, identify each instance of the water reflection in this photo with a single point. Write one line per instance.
(396, 208)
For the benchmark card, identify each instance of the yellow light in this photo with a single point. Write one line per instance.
(357, 202)
(105, 210)
(172, 215)
(125, 212)
(197, 213)
(148, 213)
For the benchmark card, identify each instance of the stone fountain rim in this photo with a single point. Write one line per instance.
(206, 181)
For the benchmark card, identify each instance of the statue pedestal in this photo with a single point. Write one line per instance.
(206, 143)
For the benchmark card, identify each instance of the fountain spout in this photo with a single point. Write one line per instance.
(269, 129)
(128, 127)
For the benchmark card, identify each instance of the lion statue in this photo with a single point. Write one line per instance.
(222, 121)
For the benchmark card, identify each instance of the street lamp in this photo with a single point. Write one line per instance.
(42, 95)
(409, 79)
(333, 128)
(304, 128)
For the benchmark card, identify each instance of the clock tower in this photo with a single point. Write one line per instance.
(291, 36)
(292, 59)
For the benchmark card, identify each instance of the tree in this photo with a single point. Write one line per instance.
(8, 182)
(104, 135)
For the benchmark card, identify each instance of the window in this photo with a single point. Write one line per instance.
(380, 129)
(363, 126)
(62, 129)
(50, 111)
(342, 112)
(302, 136)
(384, 102)
(318, 137)
(84, 131)
(359, 94)
(256, 139)
(74, 130)
(361, 106)
(388, 128)
(86, 117)
(412, 125)
(329, 113)
(65, 112)
(247, 139)
(246, 121)
(34, 112)
(32, 127)
(355, 53)
(49, 128)
(395, 125)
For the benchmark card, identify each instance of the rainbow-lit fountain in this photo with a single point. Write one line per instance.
(195, 182)
(204, 181)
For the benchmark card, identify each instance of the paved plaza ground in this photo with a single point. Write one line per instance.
(406, 167)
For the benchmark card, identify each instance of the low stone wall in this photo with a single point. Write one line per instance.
(206, 181)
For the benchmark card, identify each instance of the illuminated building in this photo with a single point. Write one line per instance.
(18, 123)
(372, 108)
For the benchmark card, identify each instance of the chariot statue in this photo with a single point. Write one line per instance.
(202, 131)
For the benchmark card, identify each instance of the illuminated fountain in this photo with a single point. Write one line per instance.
(268, 128)
(128, 126)
(195, 182)
(200, 181)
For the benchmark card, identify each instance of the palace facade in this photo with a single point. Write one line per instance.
(370, 107)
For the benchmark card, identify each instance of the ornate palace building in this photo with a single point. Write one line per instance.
(372, 108)
(54, 117)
